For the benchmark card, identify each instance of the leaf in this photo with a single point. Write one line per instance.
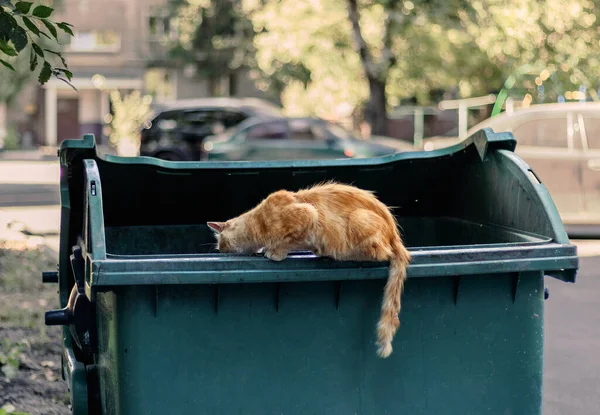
(45, 73)
(7, 49)
(65, 28)
(37, 49)
(33, 60)
(19, 38)
(23, 6)
(42, 11)
(30, 25)
(59, 55)
(7, 24)
(66, 82)
(67, 72)
(8, 65)
(45, 35)
(50, 28)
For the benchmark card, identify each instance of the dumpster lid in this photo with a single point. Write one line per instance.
(101, 195)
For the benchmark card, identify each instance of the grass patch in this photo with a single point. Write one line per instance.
(21, 267)
(30, 366)
(23, 296)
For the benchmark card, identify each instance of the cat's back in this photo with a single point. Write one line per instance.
(342, 198)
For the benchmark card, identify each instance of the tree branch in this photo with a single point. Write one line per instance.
(359, 42)
(387, 55)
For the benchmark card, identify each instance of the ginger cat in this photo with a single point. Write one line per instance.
(334, 220)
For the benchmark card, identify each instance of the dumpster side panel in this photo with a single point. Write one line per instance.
(508, 194)
(468, 345)
(107, 360)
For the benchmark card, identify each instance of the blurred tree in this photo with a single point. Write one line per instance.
(23, 25)
(303, 49)
(215, 36)
(545, 48)
(28, 47)
(334, 58)
(367, 51)
(376, 64)
(130, 112)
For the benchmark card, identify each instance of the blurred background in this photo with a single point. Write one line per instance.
(260, 79)
(210, 80)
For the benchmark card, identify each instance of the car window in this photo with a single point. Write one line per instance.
(204, 121)
(592, 132)
(197, 118)
(548, 132)
(231, 118)
(272, 130)
(166, 121)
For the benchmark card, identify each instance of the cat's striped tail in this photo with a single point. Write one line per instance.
(390, 307)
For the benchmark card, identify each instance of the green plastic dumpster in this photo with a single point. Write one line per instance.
(155, 321)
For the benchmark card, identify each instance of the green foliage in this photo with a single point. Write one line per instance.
(557, 36)
(130, 113)
(307, 50)
(21, 25)
(42, 11)
(11, 141)
(214, 35)
(9, 410)
(12, 81)
(10, 357)
(437, 45)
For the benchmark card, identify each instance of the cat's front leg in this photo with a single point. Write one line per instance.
(276, 254)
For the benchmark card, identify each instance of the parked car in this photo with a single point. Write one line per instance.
(561, 143)
(289, 139)
(176, 130)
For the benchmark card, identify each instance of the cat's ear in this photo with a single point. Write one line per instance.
(216, 226)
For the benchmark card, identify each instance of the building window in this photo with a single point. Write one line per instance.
(160, 27)
(95, 41)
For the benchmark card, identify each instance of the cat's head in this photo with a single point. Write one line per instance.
(233, 237)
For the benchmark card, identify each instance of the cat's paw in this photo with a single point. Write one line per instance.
(275, 255)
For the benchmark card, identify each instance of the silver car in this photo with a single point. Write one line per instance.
(561, 143)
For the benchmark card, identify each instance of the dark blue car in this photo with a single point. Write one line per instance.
(281, 138)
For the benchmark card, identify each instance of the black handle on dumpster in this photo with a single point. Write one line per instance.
(78, 314)
(60, 317)
(50, 276)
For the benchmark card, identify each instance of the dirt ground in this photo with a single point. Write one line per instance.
(30, 373)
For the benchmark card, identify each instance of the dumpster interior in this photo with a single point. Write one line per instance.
(418, 233)
(444, 201)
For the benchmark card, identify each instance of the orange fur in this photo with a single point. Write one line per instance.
(334, 220)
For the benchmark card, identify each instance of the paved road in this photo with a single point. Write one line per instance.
(16, 194)
(29, 183)
(572, 342)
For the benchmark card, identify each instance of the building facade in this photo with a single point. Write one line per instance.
(114, 44)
